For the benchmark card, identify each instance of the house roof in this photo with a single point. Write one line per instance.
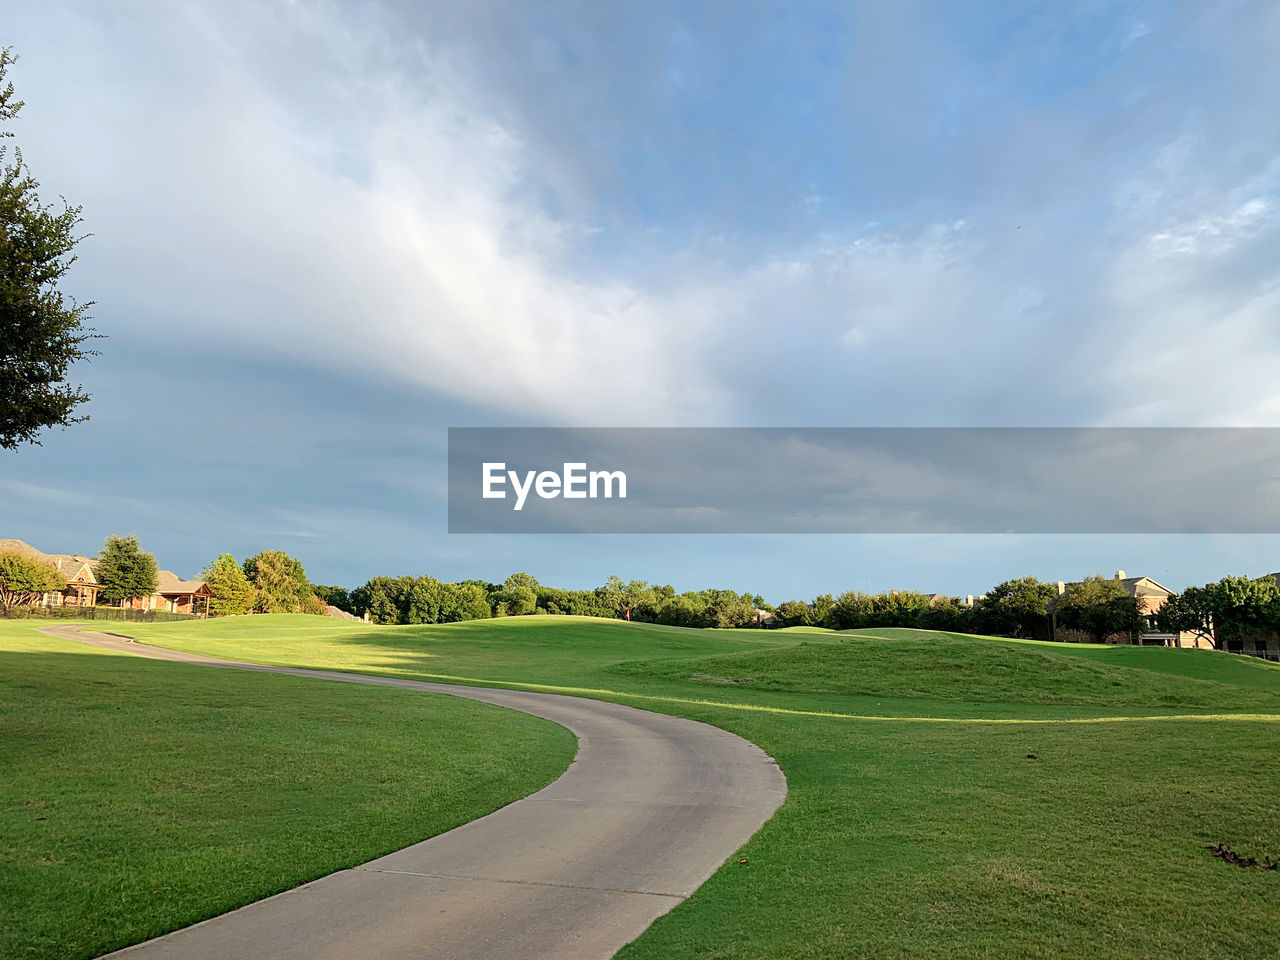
(1138, 587)
(1145, 587)
(71, 566)
(169, 582)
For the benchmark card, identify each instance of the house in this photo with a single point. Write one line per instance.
(1151, 596)
(173, 594)
(180, 596)
(82, 587)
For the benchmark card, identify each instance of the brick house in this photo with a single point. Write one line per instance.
(1151, 596)
(82, 587)
(173, 594)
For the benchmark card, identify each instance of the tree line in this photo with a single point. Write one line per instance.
(272, 581)
(424, 599)
(1097, 607)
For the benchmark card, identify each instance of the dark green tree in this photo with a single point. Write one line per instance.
(42, 331)
(379, 597)
(125, 570)
(1014, 608)
(792, 613)
(517, 601)
(850, 610)
(1099, 607)
(1228, 608)
(340, 597)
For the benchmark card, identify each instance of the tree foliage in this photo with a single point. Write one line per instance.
(280, 583)
(1228, 608)
(1100, 607)
(421, 600)
(42, 331)
(792, 613)
(339, 597)
(124, 570)
(231, 593)
(24, 580)
(1015, 608)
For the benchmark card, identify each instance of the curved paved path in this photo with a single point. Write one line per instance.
(651, 806)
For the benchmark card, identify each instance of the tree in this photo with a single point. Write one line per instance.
(1228, 607)
(898, 608)
(378, 598)
(850, 610)
(625, 600)
(313, 605)
(424, 601)
(1015, 607)
(279, 581)
(42, 332)
(231, 594)
(1099, 607)
(948, 614)
(823, 605)
(725, 608)
(792, 613)
(124, 570)
(522, 580)
(464, 601)
(517, 602)
(24, 580)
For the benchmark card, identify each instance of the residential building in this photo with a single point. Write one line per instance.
(173, 594)
(82, 587)
(1151, 596)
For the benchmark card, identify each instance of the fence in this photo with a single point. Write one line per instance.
(100, 613)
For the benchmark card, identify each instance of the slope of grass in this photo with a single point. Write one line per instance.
(137, 796)
(954, 667)
(943, 828)
(1237, 670)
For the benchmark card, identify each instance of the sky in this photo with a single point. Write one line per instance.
(323, 233)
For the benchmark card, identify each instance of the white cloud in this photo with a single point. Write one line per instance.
(289, 179)
(359, 218)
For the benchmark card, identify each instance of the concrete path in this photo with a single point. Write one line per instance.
(651, 806)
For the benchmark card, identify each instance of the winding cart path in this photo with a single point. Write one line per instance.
(651, 806)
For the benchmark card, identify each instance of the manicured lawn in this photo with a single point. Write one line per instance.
(948, 796)
(137, 796)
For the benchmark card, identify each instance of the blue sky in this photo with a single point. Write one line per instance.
(323, 233)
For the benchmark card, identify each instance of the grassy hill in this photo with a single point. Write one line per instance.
(948, 796)
(137, 797)
(956, 667)
(1238, 671)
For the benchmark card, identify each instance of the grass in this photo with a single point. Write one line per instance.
(137, 796)
(951, 667)
(948, 796)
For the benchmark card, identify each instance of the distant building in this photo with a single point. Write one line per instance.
(1151, 596)
(82, 586)
(173, 594)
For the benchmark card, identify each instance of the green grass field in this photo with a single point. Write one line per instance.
(137, 796)
(948, 796)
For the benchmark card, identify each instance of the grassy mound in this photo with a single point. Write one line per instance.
(954, 667)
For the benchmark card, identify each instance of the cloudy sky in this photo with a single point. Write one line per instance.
(323, 233)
